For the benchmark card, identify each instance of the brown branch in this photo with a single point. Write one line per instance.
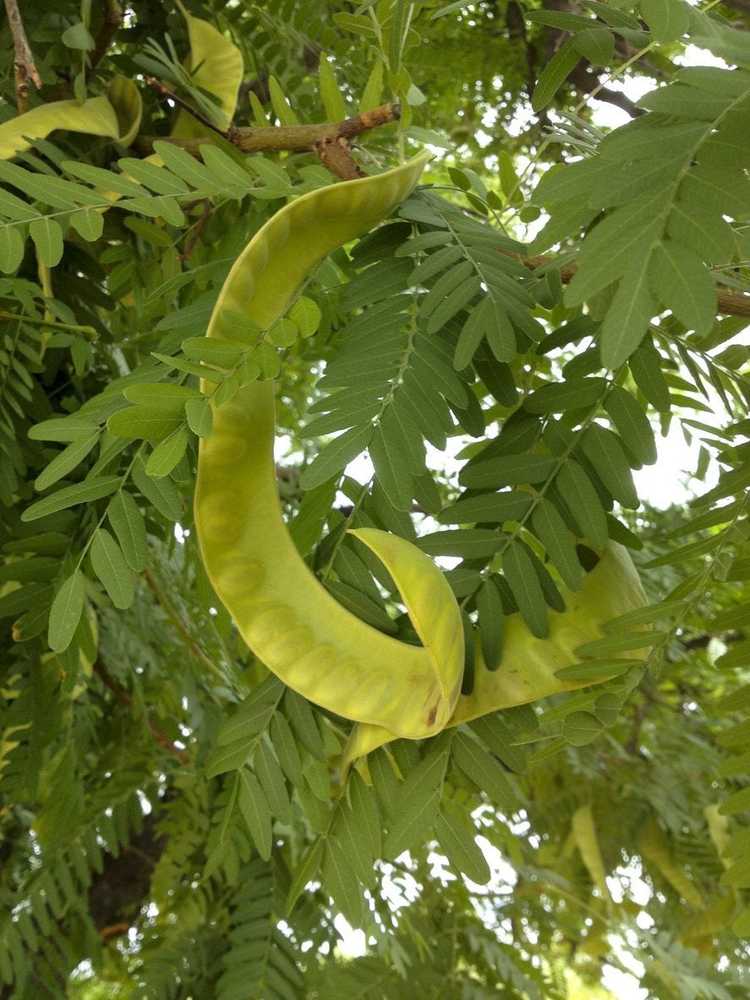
(170, 95)
(178, 623)
(295, 138)
(729, 302)
(109, 27)
(24, 59)
(195, 233)
(336, 156)
(125, 698)
(588, 83)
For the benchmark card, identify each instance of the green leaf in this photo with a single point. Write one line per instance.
(365, 815)
(306, 316)
(253, 715)
(667, 19)
(68, 459)
(110, 566)
(333, 102)
(557, 539)
(65, 613)
(681, 281)
(279, 102)
(372, 94)
(485, 772)
(508, 470)
(524, 583)
(469, 543)
(70, 496)
(255, 812)
(286, 749)
(168, 396)
(167, 454)
(272, 781)
(341, 883)
(620, 643)
(221, 352)
(581, 728)
(597, 44)
(303, 723)
(487, 508)
(604, 451)
(335, 456)
(573, 394)
(632, 423)
(48, 240)
(596, 670)
(554, 74)
(582, 500)
(11, 249)
(490, 609)
(130, 529)
(456, 837)
(646, 367)
(417, 805)
(628, 316)
(199, 416)
(88, 223)
(73, 428)
(147, 421)
(78, 36)
(161, 493)
(305, 872)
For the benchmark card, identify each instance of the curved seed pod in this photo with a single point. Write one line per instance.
(284, 614)
(528, 667)
(116, 117)
(216, 66)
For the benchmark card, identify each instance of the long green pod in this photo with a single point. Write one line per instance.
(529, 665)
(283, 612)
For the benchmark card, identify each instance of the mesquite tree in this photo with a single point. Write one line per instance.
(462, 688)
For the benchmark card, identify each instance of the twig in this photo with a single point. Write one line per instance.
(178, 623)
(194, 234)
(125, 699)
(336, 156)
(296, 138)
(731, 303)
(109, 27)
(588, 83)
(24, 60)
(170, 95)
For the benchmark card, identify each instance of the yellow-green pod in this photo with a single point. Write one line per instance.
(285, 615)
(529, 664)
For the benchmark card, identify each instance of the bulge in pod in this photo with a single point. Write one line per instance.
(529, 664)
(283, 612)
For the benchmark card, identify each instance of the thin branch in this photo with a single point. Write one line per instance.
(24, 60)
(588, 83)
(336, 156)
(123, 696)
(113, 18)
(178, 623)
(731, 303)
(295, 138)
(170, 95)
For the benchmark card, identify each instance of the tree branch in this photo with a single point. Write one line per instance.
(588, 83)
(731, 303)
(124, 698)
(109, 27)
(24, 60)
(295, 138)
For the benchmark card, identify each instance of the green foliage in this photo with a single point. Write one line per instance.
(175, 822)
